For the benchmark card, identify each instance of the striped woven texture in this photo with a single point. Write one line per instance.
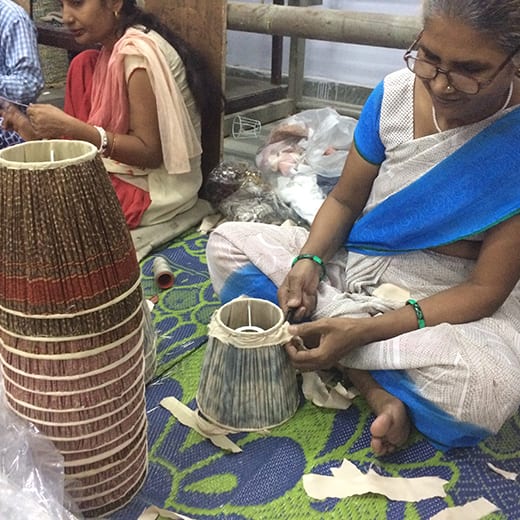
(189, 475)
(71, 320)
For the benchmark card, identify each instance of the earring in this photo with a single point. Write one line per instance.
(116, 14)
(449, 88)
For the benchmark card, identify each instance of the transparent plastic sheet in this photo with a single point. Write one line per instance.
(255, 201)
(226, 178)
(150, 342)
(31, 472)
(304, 155)
(316, 140)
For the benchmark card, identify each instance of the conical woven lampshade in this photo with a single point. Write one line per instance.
(247, 382)
(71, 317)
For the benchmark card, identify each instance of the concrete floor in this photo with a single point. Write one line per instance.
(244, 149)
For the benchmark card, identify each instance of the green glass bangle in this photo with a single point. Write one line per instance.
(418, 312)
(316, 259)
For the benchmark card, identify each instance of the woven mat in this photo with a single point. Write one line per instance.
(181, 313)
(191, 476)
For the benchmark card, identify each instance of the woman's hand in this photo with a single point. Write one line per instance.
(14, 119)
(321, 344)
(298, 291)
(48, 121)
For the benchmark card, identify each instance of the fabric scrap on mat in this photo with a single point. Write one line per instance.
(325, 396)
(473, 510)
(189, 475)
(509, 475)
(348, 480)
(155, 513)
(192, 419)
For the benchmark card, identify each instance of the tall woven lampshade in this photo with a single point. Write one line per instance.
(71, 318)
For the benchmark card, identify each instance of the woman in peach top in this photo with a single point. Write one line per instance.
(139, 99)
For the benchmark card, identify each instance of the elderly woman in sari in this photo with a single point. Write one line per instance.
(426, 212)
(139, 99)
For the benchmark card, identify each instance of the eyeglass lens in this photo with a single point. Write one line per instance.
(427, 70)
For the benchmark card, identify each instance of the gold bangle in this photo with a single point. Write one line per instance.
(112, 145)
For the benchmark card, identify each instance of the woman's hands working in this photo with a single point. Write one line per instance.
(298, 292)
(321, 344)
(41, 121)
(140, 146)
(14, 119)
(331, 225)
(496, 272)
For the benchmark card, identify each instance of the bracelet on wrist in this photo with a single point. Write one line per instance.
(418, 312)
(112, 147)
(103, 138)
(316, 259)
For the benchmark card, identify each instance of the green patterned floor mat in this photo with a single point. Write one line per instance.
(191, 476)
(181, 314)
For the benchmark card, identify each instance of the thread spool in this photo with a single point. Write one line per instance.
(162, 273)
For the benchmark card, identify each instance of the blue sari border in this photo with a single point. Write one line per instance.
(467, 193)
(441, 429)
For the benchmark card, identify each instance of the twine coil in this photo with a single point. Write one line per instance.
(162, 273)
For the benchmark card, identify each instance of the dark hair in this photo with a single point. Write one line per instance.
(202, 83)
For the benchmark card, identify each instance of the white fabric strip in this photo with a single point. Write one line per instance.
(348, 480)
(98, 404)
(268, 338)
(79, 423)
(120, 438)
(87, 436)
(192, 419)
(59, 339)
(135, 439)
(76, 355)
(74, 392)
(470, 511)
(106, 368)
(133, 454)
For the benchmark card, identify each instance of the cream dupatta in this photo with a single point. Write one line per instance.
(179, 139)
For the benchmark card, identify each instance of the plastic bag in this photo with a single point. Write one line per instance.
(304, 156)
(31, 471)
(255, 201)
(226, 178)
(315, 141)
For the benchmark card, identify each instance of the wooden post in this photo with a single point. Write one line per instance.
(297, 60)
(277, 54)
(202, 24)
(333, 25)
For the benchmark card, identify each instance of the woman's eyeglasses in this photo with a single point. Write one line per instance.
(464, 83)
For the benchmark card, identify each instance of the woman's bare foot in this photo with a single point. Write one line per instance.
(391, 427)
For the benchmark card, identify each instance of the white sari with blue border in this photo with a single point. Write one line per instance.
(459, 382)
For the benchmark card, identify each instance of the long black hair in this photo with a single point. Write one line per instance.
(202, 83)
